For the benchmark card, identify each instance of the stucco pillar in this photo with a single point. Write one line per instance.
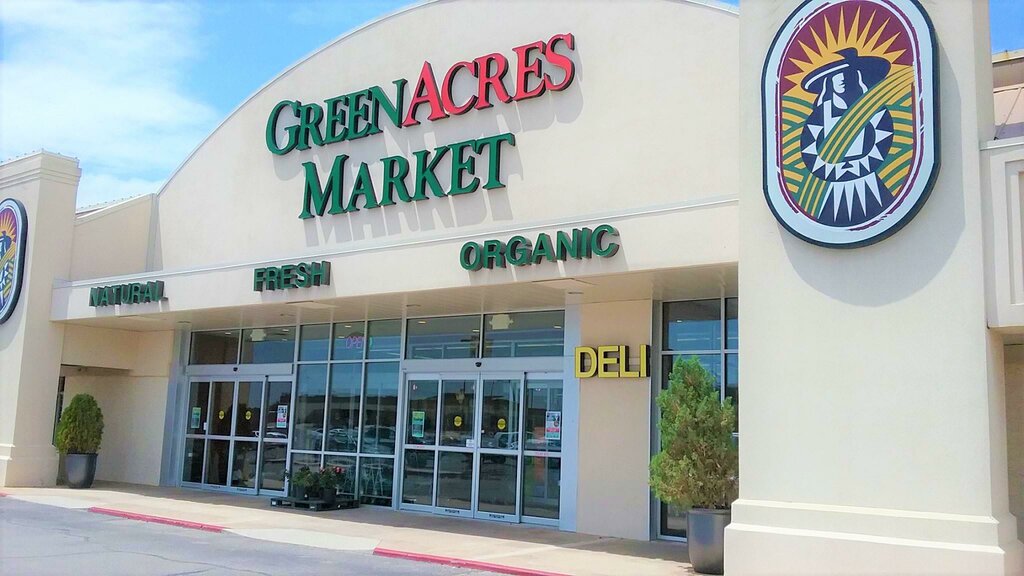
(30, 344)
(872, 427)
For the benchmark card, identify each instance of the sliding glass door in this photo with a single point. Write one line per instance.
(236, 435)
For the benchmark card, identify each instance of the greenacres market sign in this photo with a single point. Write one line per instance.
(131, 293)
(578, 244)
(536, 68)
(302, 275)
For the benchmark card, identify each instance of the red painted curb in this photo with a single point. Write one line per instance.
(158, 519)
(474, 564)
(2, 494)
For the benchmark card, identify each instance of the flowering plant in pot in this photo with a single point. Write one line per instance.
(698, 465)
(79, 434)
(321, 484)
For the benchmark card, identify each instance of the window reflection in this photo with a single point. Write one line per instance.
(524, 334)
(695, 325)
(268, 345)
(310, 392)
(380, 408)
(446, 337)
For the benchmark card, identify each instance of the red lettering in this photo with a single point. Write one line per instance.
(559, 61)
(425, 93)
(446, 89)
(524, 70)
(491, 81)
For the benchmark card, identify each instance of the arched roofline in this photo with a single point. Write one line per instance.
(712, 4)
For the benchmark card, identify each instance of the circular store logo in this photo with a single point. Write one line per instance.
(13, 232)
(850, 132)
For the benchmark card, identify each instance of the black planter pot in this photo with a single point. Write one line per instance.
(329, 496)
(705, 537)
(80, 469)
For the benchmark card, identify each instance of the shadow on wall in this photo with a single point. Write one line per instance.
(518, 118)
(840, 273)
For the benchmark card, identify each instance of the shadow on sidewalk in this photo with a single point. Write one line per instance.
(379, 516)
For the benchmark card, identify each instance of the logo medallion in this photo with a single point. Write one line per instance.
(850, 128)
(13, 232)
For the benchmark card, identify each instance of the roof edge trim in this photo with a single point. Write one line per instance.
(712, 4)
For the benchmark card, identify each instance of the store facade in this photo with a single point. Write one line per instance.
(460, 271)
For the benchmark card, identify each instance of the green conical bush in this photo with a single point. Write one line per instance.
(81, 426)
(698, 464)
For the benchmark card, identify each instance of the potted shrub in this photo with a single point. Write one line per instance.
(79, 434)
(697, 467)
(322, 484)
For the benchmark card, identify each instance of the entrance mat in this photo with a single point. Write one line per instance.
(473, 564)
(158, 519)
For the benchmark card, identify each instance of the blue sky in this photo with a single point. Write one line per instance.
(130, 88)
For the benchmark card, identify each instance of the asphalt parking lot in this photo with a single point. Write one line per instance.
(38, 540)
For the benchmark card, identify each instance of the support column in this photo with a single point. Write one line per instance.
(30, 344)
(872, 428)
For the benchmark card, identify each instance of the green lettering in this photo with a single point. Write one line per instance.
(395, 181)
(595, 241)
(315, 198)
(460, 165)
(310, 116)
(543, 249)
(335, 116)
(494, 254)
(470, 256)
(363, 187)
(393, 111)
(290, 130)
(425, 173)
(359, 112)
(493, 145)
(519, 251)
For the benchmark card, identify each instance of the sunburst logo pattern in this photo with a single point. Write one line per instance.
(871, 32)
(9, 240)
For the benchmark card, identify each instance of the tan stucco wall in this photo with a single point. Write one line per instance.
(1015, 431)
(133, 399)
(133, 416)
(113, 241)
(873, 433)
(613, 496)
(30, 345)
(589, 154)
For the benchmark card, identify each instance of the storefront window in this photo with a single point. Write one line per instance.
(218, 347)
(544, 415)
(268, 345)
(343, 410)
(385, 340)
(694, 325)
(310, 392)
(315, 342)
(380, 408)
(376, 478)
(349, 341)
(446, 337)
(348, 472)
(524, 334)
(541, 492)
(732, 324)
(696, 329)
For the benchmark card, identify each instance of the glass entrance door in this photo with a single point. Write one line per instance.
(499, 453)
(462, 444)
(232, 440)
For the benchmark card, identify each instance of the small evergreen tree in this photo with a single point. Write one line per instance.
(698, 464)
(81, 426)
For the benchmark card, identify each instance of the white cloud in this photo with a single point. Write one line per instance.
(104, 82)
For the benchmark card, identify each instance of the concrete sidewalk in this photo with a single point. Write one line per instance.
(372, 528)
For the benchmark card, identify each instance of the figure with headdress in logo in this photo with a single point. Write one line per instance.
(846, 138)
